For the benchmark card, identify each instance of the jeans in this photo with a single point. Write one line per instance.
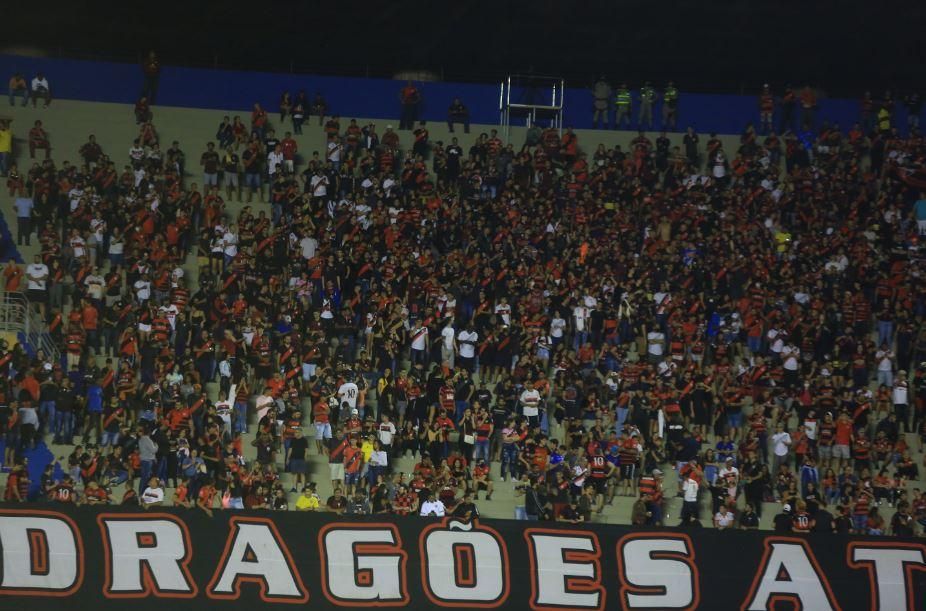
(64, 427)
(147, 469)
(47, 416)
(885, 332)
(886, 378)
(621, 419)
(109, 439)
(509, 460)
(481, 450)
(241, 417)
(4, 159)
(24, 92)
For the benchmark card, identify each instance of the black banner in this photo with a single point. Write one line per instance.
(92, 558)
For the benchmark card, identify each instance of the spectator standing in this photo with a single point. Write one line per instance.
(624, 105)
(6, 147)
(913, 101)
(151, 71)
(18, 86)
(24, 210)
(670, 106)
(601, 103)
(647, 100)
(410, 96)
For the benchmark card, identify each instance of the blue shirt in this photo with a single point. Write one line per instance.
(95, 398)
(24, 207)
(920, 209)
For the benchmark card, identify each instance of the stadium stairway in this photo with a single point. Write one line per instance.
(69, 123)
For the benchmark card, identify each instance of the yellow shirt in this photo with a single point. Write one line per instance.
(6, 141)
(366, 448)
(307, 503)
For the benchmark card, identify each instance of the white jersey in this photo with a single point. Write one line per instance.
(347, 393)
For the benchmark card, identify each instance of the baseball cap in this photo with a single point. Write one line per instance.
(786, 508)
(657, 471)
(354, 412)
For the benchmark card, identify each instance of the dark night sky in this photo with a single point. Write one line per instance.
(842, 46)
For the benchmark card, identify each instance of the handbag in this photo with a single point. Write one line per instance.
(469, 439)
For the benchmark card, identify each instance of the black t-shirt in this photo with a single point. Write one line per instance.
(782, 523)
(298, 447)
(749, 520)
(902, 525)
(824, 521)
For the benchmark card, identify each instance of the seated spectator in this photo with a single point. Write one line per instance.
(38, 139)
(18, 86)
(40, 89)
(458, 113)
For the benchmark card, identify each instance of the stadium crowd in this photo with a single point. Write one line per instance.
(586, 318)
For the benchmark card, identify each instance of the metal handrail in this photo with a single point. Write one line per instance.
(17, 316)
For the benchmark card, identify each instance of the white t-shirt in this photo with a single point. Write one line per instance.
(152, 495)
(386, 433)
(142, 290)
(557, 327)
(781, 442)
(467, 341)
(530, 400)
(319, 185)
(447, 335)
(347, 393)
(691, 490)
(230, 240)
(790, 354)
(504, 310)
(900, 394)
(308, 245)
(655, 343)
(884, 360)
(39, 271)
(580, 313)
(724, 519)
(334, 151)
(95, 285)
(419, 338)
(433, 508)
(274, 161)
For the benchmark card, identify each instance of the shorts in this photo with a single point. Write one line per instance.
(599, 483)
(841, 451)
(144, 328)
(297, 466)
(735, 421)
(826, 452)
(230, 179)
(210, 179)
(628, 471)
(308, 370)
(351, 479)
(337, 470)
(252, 181)
(37, 295)
(322, 430)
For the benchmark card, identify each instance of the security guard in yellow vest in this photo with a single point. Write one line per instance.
(647, 99)
(624, 106)
(884, 120)
(669, 106)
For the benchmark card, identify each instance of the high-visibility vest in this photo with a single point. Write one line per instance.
(884, 119)
(623, 97)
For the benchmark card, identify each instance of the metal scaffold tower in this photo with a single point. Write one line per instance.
(533, 99)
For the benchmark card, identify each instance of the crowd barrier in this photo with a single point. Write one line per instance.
(101, 558)
(370, 97)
